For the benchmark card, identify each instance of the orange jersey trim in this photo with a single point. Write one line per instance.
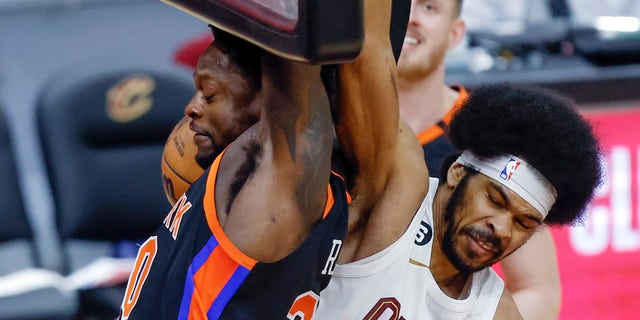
(209, 204)
(329, 203)
(346, 192)
(436, 130)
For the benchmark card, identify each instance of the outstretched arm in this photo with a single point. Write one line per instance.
(366, 91)
(386, 169)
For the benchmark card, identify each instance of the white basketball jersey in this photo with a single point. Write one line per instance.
(396, 283)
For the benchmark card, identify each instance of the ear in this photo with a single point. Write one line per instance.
(455, 173)
(458, 29)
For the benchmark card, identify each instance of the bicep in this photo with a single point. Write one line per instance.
(296, 128)
(286, 155)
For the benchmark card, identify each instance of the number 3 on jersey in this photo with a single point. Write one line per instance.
(138, 276)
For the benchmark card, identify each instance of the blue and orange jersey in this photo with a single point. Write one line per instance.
(189, 269)
(434, 140)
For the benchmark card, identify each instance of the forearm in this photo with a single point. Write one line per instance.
(531, 274)
(366, 89)
(507, 309)
(296, 127)
(537, 303)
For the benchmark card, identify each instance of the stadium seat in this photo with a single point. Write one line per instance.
(26, 290)
(102, 127)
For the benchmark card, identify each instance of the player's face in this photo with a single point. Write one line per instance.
(484, 222)
(223, 106)
(428, 37)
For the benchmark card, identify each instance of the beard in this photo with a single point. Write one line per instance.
(205, 158)
(420, 63)
(412, 68)
(457, 258)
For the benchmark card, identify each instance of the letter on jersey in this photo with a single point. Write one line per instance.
(177, 212)
(330, 265)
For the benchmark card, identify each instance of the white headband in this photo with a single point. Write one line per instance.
(517, 175)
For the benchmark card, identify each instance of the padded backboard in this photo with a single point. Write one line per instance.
(314, 31)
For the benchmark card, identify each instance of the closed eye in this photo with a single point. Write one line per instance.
(527, 220)
(493, 200)
(525, 225)
(208, 99)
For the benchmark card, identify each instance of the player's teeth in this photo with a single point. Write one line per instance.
(485, 245)
(410, 40)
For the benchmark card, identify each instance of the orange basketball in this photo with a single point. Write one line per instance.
(179, 167)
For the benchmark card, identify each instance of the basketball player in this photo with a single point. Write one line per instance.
(428, 105)
(365, 212)
(418, 248)
(256, 236)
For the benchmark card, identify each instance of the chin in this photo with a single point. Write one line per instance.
(405, 64)
(466, 263)
(470, 267)
(205, 160)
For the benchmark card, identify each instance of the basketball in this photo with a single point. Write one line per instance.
(179, 167)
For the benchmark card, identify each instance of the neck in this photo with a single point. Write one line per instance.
(424, 101)
(451, 281)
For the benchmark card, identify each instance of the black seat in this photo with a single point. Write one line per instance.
(103, 127)
(26, 290)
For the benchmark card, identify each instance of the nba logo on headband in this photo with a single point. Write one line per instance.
(509, 169)
(529, 184)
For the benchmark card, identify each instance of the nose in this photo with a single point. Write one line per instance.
(501, 224)
(193, 109)
(413, 12)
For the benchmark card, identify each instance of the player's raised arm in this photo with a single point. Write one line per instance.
(297, 120)
(366, 91)
(382, 153)
(257, 235)
(272, 182)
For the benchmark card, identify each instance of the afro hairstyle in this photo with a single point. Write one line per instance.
(542, 127)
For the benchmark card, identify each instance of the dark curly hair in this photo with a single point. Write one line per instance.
(245, 55)
(543, 128)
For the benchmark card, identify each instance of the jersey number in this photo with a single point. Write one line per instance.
(139, 274)
(387, 307)
(304, 307)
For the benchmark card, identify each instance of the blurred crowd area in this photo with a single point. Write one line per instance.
(483, 15)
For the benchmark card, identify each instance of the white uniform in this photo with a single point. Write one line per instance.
(396, 283)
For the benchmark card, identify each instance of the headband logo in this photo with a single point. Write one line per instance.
(509, 169)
